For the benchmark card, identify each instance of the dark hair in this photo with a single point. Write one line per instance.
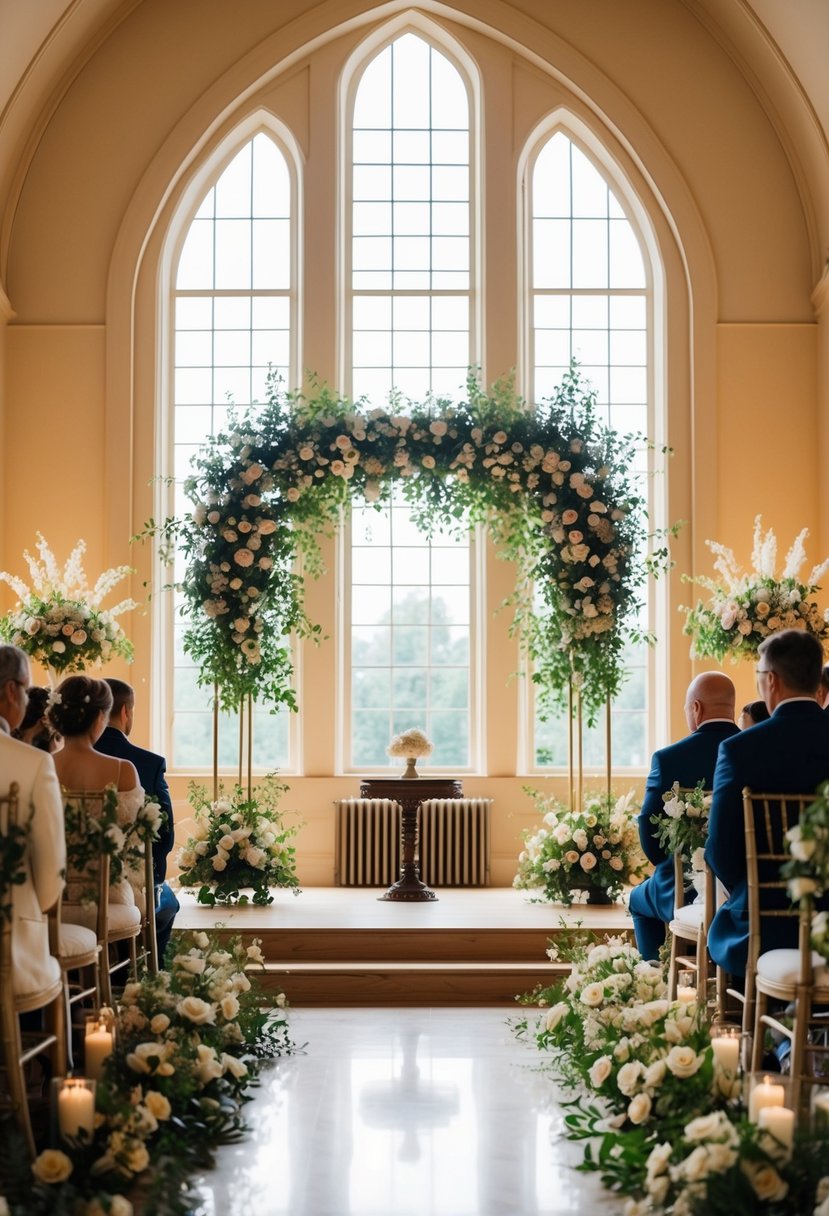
(35, 709)
(122, 694)
(756, 710)
(796, 657)
(824, 678)
(77, 702)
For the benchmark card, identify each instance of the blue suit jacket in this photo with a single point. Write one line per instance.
(788, 754)
(151, 769)
(690, 761)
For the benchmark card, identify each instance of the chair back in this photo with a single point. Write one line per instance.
(87, 858)
(680, 859)
(767, 819)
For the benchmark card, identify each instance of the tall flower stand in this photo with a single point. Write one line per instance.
(410, 794)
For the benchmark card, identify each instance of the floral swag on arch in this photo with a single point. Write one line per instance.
(554, 486)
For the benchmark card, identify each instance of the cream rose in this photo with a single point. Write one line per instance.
(600, 1070)
(229, 1006)
(628, 1077)
(592, 995)
(159, 1023)
(639, 1108)
(52, 1166)
(765, 1181)
(158, 1105)
(197, 1011)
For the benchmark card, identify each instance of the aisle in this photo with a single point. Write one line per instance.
(402, 1112)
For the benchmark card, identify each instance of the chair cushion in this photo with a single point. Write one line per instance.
(120, 917)
(688, 918)
(783, 967)
(74, 941)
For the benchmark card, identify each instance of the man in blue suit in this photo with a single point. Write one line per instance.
(151, 769)
(788, 754)
(709, 712)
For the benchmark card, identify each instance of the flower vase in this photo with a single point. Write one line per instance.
(411, 772)
(598, 896)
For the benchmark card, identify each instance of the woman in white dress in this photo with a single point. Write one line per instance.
(79, 712)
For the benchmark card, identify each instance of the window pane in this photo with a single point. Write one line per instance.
(585, 254)
(223, 345)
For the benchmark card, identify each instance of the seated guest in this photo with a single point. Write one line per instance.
(752, 713)
(35, 728)
(709, 712)
(80, 712)
(788, 754)
(40, 804)
(151, 769)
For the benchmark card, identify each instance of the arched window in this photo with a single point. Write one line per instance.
(590, 298)
(409, 636)
(234, 317)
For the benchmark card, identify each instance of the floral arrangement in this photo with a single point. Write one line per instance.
(93, 830)
(59, 621)
(410, 743)
(554, 485)
(239, 841)
(595, 847)
(683, 827)
(660, 1118)
(745, 607)
(807, 870)
(188, 1045)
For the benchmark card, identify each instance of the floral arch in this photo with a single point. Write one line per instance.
(552, 483)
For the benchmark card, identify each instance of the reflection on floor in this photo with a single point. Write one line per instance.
(403, 1112)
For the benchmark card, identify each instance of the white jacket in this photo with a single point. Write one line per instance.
(39, 797)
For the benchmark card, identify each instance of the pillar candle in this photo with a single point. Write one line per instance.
(763, 1096)
(779, 1121)
(726, 1050)
(76, 1109)
(97, 1047)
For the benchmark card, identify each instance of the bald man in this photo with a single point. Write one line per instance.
(709, 712)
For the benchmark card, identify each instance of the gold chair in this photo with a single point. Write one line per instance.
(690, 923)
(78, 952)
(17, 1048)
(797, 976)
(87, 900)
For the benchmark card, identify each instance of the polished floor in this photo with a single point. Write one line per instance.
(403, 1112)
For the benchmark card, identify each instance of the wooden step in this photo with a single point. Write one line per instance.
(405, 984)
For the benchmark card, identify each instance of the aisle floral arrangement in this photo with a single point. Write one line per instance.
(683, 827)
(59, 621)
(555, 486)
(807, 870)
(744, 607)
(189, 1043)
(660, 1117)
(594, 848)
(240, 842)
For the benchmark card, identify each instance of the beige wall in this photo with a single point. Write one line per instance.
(745, 379)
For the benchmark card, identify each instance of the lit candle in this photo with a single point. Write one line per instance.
(686, 994)
(726, 1048)
(76, 1108)
(779, 1122)
(763, 1096)
(97, 1047)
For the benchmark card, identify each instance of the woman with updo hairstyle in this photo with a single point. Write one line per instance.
(79, 710)
(35, 729)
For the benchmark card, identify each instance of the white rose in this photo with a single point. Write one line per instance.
(798, 887)
(600, 1070)
(229, 1006)
(765, 1180)
(639, 1108)
(683, 1061)
(628, 1077)
(196, 1010)
(158, 1105)
(159, 1023)
(696, 1166)
(592, 995)
(657, 1162)
(654, 1074)
(555, 1015)
(703, 1128)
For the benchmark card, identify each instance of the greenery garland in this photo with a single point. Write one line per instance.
(554, 485)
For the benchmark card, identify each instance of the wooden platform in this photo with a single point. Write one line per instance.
(340, 946)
